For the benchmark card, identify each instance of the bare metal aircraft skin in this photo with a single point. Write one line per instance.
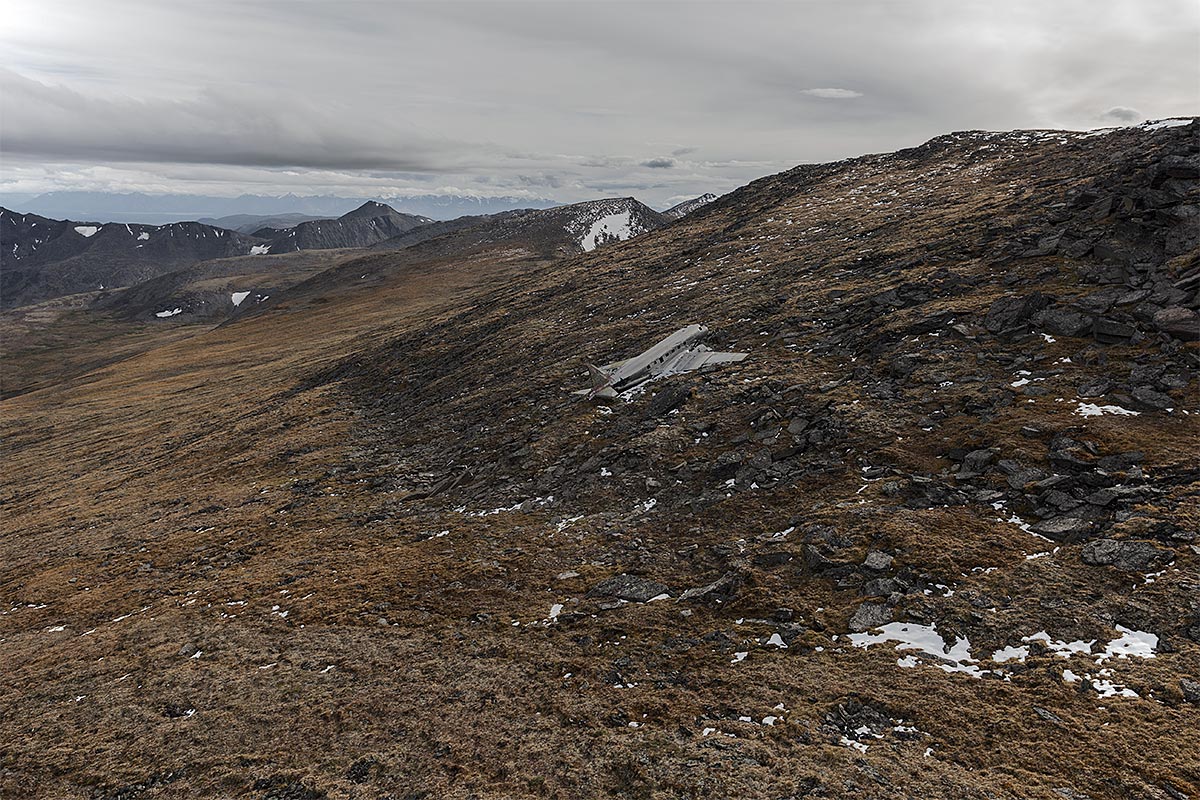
(679, 352)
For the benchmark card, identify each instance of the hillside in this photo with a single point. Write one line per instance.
(216, 290)
(935, 537)
(44, 258)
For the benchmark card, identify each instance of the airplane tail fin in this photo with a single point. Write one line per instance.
(599, 379)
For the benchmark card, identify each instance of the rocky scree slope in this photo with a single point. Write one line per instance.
(970, 411)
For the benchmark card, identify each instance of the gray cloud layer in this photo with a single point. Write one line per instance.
(569, 99)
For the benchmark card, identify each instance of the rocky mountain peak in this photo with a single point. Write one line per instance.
(371, 208)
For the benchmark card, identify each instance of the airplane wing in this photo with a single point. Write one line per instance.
(694, 359)
(722, 358)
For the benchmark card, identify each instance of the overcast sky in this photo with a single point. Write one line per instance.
(565, 100)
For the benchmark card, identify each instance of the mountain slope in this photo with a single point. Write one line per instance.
(514, 240)
(369, 223)
(688, 206)
(43, 258)
(443, 227)
(213, 291)
(558, 231)
(908, 547)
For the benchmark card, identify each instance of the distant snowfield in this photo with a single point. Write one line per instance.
(260, 249)
(86, 230)
(614, 226)
(169, 312)
(238, 297)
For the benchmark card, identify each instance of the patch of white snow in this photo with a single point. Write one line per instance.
(1093, 410)
(613, 226)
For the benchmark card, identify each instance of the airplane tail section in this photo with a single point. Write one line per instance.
(599, 379)
(601, 384)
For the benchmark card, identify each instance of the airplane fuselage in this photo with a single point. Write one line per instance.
(679, 352)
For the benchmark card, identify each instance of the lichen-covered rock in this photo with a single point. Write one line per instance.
(1132, 556)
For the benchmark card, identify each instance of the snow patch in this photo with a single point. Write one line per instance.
(1173, 122)
(238, 297)
(618, 227)
(1060, 648)
(169, 312)
(1008, 653)
(260, 249)
(1093, 410)
(848, 742)
(86, 230)
(925, 639)
(1130, 643)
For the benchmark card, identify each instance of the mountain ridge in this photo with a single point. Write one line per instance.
(368, 224)
(43, 258)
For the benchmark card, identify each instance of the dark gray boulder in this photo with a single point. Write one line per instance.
(870, 615)
(628, 587)
(1013, 313)
(1097, 387)
(1063, 529)
(1128, 556)
(718, 591)
(1062, 321)
(1145, 397)
(1111, 331)
(1179, 322)
(877, 560)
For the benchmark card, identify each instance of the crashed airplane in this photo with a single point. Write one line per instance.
(679, 352)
